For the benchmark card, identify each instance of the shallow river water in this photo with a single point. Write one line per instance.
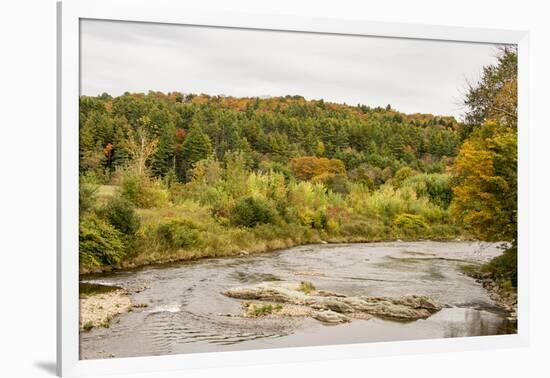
(185, 309)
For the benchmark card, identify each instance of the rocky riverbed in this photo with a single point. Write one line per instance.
(99, 309)
(303, 296)
(292, 299)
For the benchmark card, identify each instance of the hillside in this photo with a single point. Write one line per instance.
(274, 129)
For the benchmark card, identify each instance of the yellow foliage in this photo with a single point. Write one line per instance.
(485, 197)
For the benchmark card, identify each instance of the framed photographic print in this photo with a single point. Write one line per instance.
(240, 189)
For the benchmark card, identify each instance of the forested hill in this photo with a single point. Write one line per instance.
(168, 177)
(187, 128)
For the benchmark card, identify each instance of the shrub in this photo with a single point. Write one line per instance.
(338, 183)
(267, 166)
(178, 234)
(306, 287)
(312, 195)
(99, 242)
(87, 194)
(402, 174)
(256, 310)
(314, 219)
(120, 213)
(178, 192)
(142, 191)
(236, 174)
(208, 171)
(435, 186)
(371, 228)
(410, 223)
(387, 202)
(271, 186)
(335, 217)
(504, 267)
(251, 211)
(362, 175)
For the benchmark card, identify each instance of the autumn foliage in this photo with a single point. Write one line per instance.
(216, 175)
(485, 195)
(309, 167)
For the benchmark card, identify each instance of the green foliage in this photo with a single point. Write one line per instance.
(306, 287)
(278, 128)
(494, 97)
(338, 183)
(217, 215)
(410, 224)
(504, 267)
(257, 310)
(120, 213)
(196, 146)
(434, 186)
(236, 174)
(99, 242)
(251, 211)
(208, 171)
(178, 234)
(86, 289)
(87, 194)
(365, 229)
(266, 166)
(403, 174)
(142, 191)
(316, 219)
(365, 175)
(219, 175)
(387, 203)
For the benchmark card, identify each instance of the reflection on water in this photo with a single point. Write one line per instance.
(185, 312)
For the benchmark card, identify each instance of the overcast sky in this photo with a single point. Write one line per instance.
(411, 75)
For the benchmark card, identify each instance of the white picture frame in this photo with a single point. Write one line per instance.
(172, 12)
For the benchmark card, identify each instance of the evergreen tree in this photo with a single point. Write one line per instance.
(196, 146)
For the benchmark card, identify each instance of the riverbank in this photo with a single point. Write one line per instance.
(157, 256)
(501, 292)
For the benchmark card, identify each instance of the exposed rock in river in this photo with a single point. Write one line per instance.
(99, 309)
(330, 317)
(333, 307)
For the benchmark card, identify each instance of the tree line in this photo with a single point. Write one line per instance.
(184, 129)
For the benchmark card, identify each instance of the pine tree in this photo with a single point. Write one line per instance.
(196, 146)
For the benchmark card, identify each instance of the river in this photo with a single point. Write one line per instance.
(184, 312)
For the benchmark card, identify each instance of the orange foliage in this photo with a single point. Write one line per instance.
(108, 151)
(308, 167)
(180, 135)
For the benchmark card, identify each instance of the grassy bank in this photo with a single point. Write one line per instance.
(142, 221)
(190, 226)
